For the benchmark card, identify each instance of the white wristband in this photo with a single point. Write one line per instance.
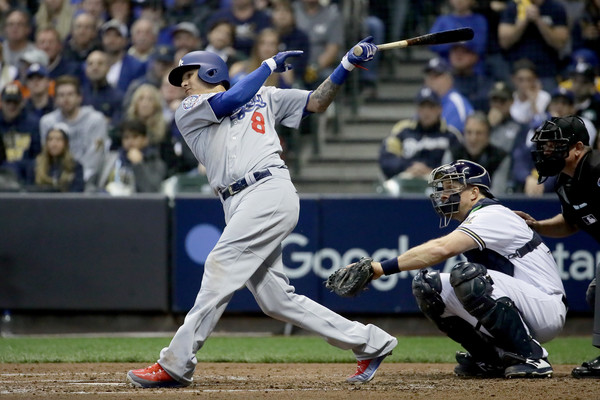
(271, 63)
(348, 66)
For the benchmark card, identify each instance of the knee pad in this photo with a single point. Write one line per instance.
(472, 286)
(427, 289)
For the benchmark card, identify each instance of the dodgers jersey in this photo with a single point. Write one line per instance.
(245, 141)
(497, 228)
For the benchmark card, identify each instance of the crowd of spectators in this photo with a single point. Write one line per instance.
(529, 60)
(85, 101)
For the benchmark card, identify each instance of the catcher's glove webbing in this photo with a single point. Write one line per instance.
(350, 281)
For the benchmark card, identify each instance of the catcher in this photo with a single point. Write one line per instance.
(502, 303)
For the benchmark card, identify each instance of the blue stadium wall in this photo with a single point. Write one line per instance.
(146, 253)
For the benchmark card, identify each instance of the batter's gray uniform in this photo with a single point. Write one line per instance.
(258, 219)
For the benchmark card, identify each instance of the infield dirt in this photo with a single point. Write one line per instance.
(286, 381)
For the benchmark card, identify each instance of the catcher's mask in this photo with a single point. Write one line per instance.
(450, 180)
(553, 141)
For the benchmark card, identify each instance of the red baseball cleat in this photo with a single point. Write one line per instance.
(365, 369)
(152, 377)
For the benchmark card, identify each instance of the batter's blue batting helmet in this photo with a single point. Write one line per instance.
(212, 68)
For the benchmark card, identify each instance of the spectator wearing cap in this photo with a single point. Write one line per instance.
(57, 14)
(123, 67)
(17, 29)
(563, 105)
(55, 169)
(467, 71)
(83, 39)
(455, 107)
(506, 131)
(88, 136)
(417, 145)
(536, 30)
(461, 15)
(48, 40)
(97, 92)
(186, 37)
(529, 99)
(144, 35)
(8, 73)
(19, 130)
(37, 81)
(160, 64)
(587, 98)
(248, 21)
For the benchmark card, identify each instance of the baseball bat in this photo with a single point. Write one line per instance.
(449, 36)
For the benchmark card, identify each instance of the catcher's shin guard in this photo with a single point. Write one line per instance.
(501, 318)
(427, 287)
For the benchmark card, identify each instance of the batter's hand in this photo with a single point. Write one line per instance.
(368, 51)
(279, 64)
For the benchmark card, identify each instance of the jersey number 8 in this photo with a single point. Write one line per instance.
(258, 122)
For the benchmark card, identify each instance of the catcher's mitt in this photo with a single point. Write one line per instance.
(350, 281)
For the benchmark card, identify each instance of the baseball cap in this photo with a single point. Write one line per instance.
(186, 27)
(500, 90)
(561, 92)
(164, 53)
(116, 25)
(437, 65)
(586, 56)
(426, 95)
(469, 45)
(12, 92)
(585, 70)
(36, 69)
(35, 56)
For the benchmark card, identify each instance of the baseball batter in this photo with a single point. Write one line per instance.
(506, 300)
(232, 132)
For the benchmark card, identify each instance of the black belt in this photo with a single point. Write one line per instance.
(242, 184)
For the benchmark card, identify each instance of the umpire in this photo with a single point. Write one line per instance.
(562, 148)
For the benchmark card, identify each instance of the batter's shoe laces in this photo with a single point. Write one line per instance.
(152, 377)
(468, 367)
(589, 369)
(531, 368)
(365, 369)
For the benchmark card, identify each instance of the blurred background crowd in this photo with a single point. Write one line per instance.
(86, 107)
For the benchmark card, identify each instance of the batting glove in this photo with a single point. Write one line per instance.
(278, 64)
(368, 52)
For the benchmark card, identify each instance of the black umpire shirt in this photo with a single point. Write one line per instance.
(580, 195)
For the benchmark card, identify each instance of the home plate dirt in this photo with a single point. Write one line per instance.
(286, 381)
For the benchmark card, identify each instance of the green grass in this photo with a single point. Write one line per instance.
(277, 349)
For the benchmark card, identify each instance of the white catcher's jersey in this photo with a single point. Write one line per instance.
(244, 142)
(497, 228)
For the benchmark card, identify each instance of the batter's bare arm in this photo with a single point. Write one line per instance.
(322, 97)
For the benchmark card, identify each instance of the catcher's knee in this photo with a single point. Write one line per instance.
(427, 289)
(472, 286)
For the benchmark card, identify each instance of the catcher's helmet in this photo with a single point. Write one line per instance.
(552, 143)
(446, 198)
(211, 68)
